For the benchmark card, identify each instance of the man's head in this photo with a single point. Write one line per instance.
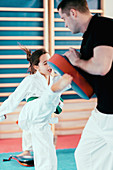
(67, 5)
(71, 12)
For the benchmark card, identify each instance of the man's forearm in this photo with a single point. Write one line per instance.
(89, 66)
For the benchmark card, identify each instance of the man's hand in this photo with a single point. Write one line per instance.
(73, 55)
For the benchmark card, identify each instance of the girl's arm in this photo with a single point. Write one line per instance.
(56, 78)
(10, 104)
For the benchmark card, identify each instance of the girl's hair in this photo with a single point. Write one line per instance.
(33, 58)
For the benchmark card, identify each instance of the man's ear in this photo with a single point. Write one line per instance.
(73, 13)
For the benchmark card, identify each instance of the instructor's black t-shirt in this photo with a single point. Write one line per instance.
(99, 32)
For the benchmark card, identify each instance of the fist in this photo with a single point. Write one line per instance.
(3, 117)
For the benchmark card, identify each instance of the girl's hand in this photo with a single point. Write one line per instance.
(62, 83)
(3, 117)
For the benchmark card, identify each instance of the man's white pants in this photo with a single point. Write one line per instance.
(95, 149)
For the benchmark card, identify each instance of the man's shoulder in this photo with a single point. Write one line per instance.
(102, 25)
(101, 20)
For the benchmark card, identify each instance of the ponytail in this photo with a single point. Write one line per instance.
(29, 54)
(33, 58)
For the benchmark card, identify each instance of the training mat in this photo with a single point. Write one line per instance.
(65, 161)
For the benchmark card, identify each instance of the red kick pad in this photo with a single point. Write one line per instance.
(79, 84)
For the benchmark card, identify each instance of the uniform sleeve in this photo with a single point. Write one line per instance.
(10, 104)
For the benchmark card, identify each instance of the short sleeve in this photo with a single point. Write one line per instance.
(103, 33)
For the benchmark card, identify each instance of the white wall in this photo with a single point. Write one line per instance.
(108, 8)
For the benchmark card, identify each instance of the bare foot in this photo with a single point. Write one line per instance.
(62, 83)
(25, 153)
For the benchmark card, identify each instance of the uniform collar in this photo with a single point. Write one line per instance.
(43, 78)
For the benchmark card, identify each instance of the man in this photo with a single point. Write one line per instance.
(95, 149)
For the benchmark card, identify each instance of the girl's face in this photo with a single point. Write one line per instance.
(43, 67)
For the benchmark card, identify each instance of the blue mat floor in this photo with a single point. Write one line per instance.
(65, 158)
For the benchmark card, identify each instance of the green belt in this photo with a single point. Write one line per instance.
(58, 109)
(31, 98)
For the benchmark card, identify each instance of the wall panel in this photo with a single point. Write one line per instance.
(37, 24)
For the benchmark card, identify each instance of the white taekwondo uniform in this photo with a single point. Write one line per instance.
(35, 116)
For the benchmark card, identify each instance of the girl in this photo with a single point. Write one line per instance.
(42, 93)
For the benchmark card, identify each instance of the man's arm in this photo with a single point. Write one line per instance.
(99, 64)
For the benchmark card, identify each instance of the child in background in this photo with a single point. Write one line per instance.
(42, 93)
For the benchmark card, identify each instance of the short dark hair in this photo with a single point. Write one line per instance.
(80, 5)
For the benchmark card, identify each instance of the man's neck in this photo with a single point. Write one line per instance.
(85, 22)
